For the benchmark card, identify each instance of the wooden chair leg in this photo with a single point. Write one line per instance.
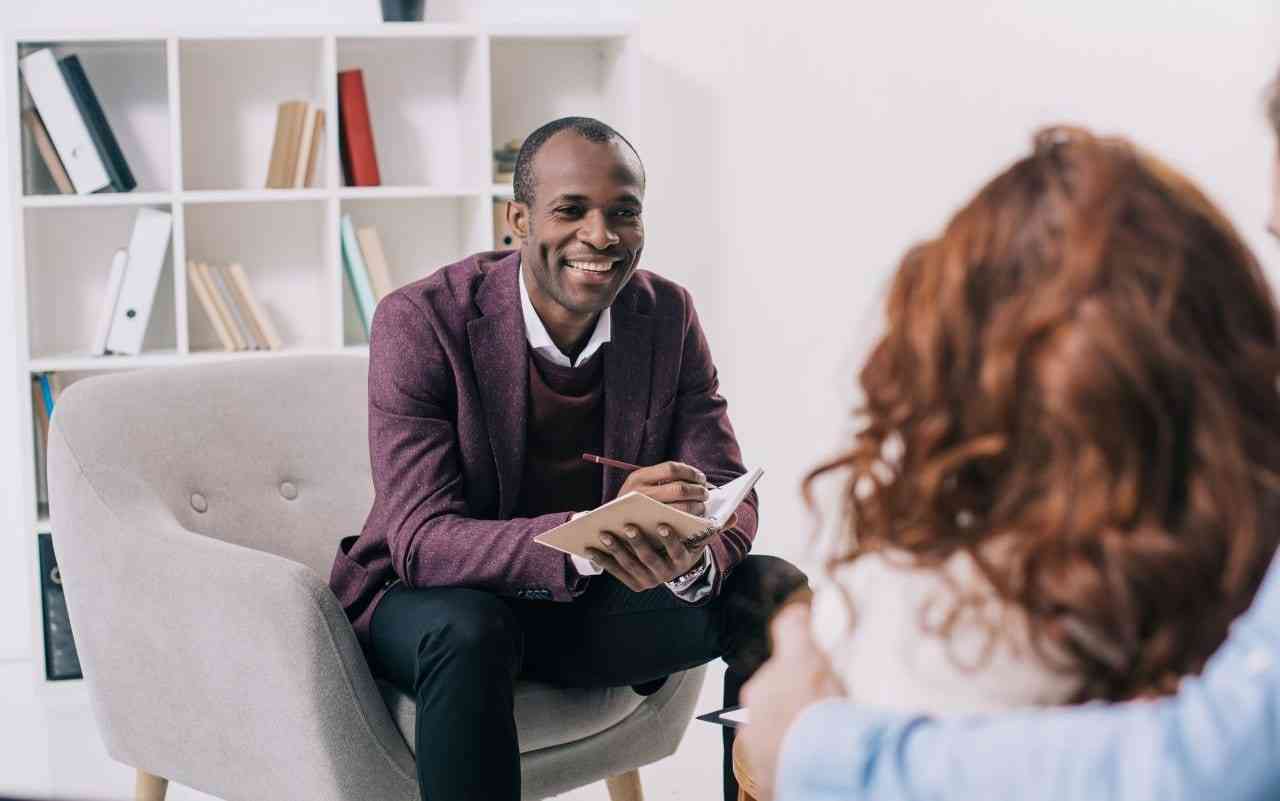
(625, 787)
(149, 788)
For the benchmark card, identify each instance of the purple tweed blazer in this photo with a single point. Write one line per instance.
(448, 408)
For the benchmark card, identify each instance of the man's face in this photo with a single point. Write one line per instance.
(583, 231)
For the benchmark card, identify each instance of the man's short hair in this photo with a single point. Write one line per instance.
(590, 129)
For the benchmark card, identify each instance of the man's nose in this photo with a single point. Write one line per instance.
(596, 232)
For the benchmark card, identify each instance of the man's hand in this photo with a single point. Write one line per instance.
(797, 675)
(642, 560)
(673, 483)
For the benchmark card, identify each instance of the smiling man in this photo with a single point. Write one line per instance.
(487, 382)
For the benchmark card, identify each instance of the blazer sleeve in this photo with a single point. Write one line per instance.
(418, 481)
(701, 434)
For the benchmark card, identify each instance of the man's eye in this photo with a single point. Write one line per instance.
(569, 211)
(627, 212)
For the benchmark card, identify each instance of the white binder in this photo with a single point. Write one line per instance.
(62, 119)
(147, 248)
(114, 281)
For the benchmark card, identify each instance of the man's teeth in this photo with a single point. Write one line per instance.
(592, 266)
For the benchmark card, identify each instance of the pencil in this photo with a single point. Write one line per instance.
(606, 461)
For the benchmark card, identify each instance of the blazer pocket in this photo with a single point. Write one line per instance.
(352, 575)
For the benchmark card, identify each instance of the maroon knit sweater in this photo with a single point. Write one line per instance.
(566, 419)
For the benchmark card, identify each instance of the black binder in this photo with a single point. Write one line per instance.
(95, 120)
(60, 658)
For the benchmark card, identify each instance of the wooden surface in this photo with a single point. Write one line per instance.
(625, 787)
(149, 788)
(748, 790)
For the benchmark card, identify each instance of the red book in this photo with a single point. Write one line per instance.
(355, 133)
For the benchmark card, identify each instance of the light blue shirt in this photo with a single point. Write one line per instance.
(1218, 738)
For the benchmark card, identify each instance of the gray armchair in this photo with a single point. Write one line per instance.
(196, 511)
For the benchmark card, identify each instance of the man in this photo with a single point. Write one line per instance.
(487, 382)
(1218, 737)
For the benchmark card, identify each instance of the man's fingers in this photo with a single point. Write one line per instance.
(667, 472)
(627, 560)
(605, 561)
(674, 545)
(652, 558)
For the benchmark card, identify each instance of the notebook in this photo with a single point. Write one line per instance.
(575, 536)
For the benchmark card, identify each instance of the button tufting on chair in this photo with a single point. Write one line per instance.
(288, 490)
(198, 502)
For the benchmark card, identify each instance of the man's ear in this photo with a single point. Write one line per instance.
(518, 219)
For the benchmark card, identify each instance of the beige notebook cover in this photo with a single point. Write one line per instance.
(640, 510)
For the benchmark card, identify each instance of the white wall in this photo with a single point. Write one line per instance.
(795, 149)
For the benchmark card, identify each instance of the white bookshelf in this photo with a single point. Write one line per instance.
(194, 112)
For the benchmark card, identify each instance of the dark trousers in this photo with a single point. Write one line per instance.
(458, 652)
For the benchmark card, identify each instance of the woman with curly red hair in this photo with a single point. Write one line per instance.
(1066, 479)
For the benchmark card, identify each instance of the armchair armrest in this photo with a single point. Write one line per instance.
(211, 664)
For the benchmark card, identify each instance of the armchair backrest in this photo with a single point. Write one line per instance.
(269, 453)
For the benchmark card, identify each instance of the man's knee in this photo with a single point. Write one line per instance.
(478, 632)
(752, 593)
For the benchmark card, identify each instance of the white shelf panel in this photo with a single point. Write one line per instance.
(551, 31)
(503, 190)
(42, 525)
(97, 200)
(405, 192)
(85, 362)
(253, 195)
(82, 363)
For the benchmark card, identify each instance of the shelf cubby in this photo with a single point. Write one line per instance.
(281, 247)
(69, 253)
(131, 81)
(230, 91)
(427, 105)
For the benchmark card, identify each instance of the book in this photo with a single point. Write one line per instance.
(635, 508)
(241, 301)
(61, 116)
(205, 295)
(40, 431)
(269, 333)
(48, 154)
(224, 311)
(375, 259)
(357, 273)
(60, 658)
(290, 117)
(316, 156)
(359, 156)
(148, 245)
(115, 279)
(222, 288)
(299, 178)
(95, 118)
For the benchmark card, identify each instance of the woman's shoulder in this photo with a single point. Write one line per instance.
(930, 638)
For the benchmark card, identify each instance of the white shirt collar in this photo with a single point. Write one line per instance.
(536, 332)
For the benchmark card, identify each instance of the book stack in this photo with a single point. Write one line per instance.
(355, 132)
(366, 266)
(504, 162)
(229, 302)
(70, 129)
(298, 147)
(45, 390)
(131, 285)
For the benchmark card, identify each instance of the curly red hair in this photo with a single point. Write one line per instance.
(1078, 388)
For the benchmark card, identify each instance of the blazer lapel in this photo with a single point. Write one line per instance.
(499, 353)
(628, 370)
